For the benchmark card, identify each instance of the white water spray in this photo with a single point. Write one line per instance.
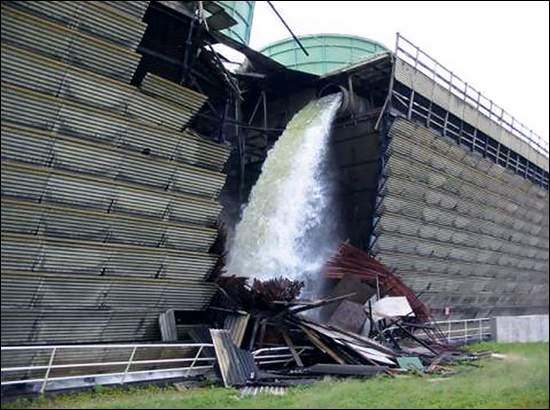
(281, 232)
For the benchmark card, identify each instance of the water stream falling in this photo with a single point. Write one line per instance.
(284, 228)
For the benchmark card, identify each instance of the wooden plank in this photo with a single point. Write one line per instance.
(290, 345)
(321, 346)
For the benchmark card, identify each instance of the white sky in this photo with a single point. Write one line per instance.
(500, 48)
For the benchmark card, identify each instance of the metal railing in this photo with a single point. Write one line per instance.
(465, 330)
(272, 355)
(126, 364)
(458, 330)
(421, 61)
(264, 356)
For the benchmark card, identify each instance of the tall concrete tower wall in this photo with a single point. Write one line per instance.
(463, 231)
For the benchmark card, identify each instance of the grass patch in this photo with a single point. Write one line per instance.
(518, 381)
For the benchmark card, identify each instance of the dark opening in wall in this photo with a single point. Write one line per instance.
(163, 44)
(175, 46)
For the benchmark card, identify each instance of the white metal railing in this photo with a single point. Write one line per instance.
(262, 356)
(465, 329)
(272, 355)
(421, 61)
(128, 363)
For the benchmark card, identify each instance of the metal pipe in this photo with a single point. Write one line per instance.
(288, 28)
(43, 388)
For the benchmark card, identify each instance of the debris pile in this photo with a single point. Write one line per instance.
(369, 323)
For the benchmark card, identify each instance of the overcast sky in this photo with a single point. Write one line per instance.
(500, 48)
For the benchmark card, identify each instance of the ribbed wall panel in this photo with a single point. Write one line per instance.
(54, 326)
(43, 290)
(64, 222)
(27, 108)
(74, 189)
(92, 17)
(71, 154)
(28, 31)
(462, 231)
(66, 83)
(169, 91)
(133, 8)
(443, 267)
(32, 253)
(109, 199)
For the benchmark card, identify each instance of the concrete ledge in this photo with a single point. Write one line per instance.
(533, 328)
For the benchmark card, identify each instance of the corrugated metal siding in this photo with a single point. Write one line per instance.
(470, 228)
(66, 83)
(167, 90)
(135, 9)
(80, 224)
(27, 108)
(92, 17)
(33, 253)
(65, 44)
(108, 208)
(75, 189)
(102, 160)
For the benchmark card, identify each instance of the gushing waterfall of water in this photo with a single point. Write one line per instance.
(282, 230)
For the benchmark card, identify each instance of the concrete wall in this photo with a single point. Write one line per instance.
(465, 232)
(532, 328)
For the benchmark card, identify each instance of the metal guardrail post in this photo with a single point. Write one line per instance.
(194, 361)
(43, 388)
(465, 331)
(123, 378)
(480, 330)
(449, 331)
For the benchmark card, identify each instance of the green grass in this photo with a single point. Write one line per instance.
(519, 381)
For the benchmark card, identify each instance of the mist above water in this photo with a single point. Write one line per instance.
(286, 227)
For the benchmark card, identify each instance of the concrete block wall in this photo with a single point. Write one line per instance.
(462, 230)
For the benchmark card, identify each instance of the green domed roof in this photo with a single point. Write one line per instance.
(327, 52)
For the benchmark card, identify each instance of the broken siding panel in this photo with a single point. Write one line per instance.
(236, 365)
(73, 189)
(102, 160)
(29, 109)
(32, 253)
(65, 222)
